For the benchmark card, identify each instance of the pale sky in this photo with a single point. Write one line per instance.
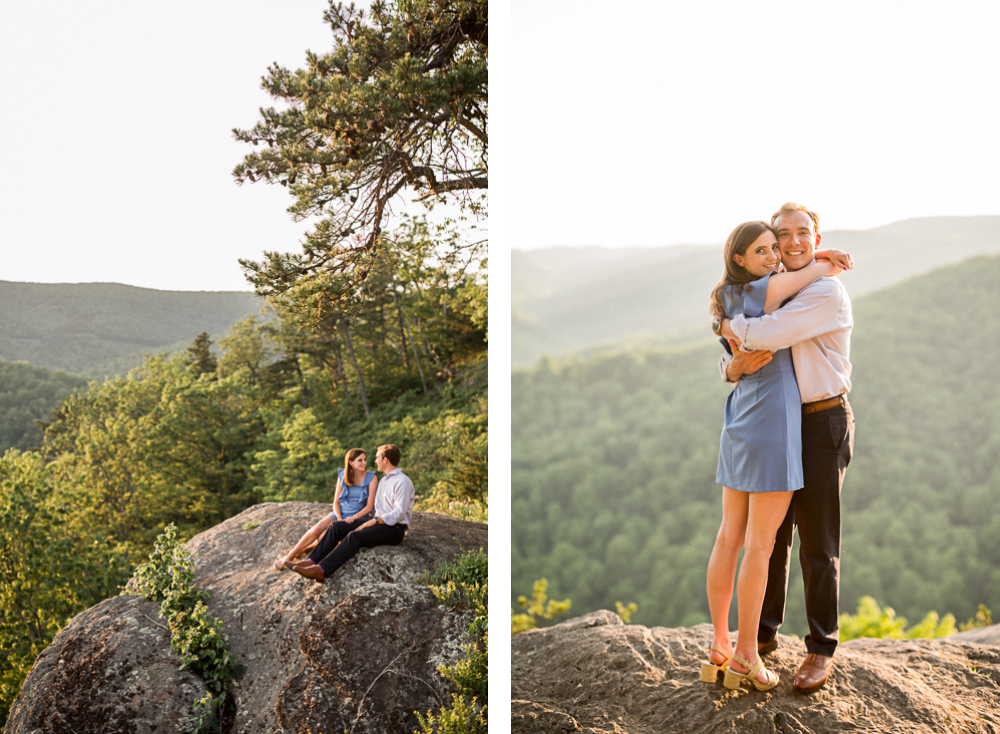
(116, 119)
(664, 123)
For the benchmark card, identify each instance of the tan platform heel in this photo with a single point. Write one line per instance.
(734, 678)
(709, 670)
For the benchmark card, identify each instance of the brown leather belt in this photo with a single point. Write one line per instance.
(824, 404)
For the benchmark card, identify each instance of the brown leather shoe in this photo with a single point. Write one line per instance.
(763, 648)
(315, 573)
(813, 672)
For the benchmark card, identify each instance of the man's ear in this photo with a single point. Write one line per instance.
(818, 238)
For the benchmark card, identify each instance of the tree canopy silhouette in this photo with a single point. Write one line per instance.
(400, 103)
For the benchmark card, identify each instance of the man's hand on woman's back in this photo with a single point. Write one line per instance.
(745, 363)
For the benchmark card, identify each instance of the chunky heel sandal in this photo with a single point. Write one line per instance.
(734, 678)
(709, 670)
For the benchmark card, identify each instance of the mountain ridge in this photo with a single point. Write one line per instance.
(578, 299)
(84, 328)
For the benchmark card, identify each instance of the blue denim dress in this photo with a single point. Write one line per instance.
(354, 497)
(761, 445)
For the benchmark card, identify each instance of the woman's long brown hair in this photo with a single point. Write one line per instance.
(738, 244)
(348, 469)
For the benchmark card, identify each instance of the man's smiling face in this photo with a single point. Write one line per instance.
(797, 239)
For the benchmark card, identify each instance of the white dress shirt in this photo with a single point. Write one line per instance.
(394, 498)
(817, 325)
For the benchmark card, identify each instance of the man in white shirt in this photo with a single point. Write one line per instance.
(394, 500)
(817, 325)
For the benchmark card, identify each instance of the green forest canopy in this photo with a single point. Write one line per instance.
(195, 438)
(614, 459)
(28, 394)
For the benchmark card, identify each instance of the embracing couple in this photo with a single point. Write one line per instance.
(786, 443)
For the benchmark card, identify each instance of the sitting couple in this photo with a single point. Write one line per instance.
(365, 514)
(786, 442)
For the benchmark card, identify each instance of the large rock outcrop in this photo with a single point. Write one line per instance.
(596, 674)
(358, 653)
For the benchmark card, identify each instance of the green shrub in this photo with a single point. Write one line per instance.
(873, 621)
(464, 583)
(168, 577)
(983, 618)
(540, 607)
(626, 611)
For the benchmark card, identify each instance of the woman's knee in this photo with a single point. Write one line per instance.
(729, 539)
(758, 546)
(319, 528)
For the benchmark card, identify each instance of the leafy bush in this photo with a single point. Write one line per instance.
(983, 618)
(168, 577)
(539, 608)
(625, 611)
(873, 621)
(470, 568)
(464, 583)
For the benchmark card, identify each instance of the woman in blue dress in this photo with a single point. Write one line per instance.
(760, 454)
(353, 503)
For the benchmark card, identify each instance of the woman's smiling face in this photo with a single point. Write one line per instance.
(359, 464)
(762, 257)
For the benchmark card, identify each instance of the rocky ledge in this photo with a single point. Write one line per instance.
(358, 653)
(596, 674)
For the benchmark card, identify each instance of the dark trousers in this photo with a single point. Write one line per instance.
(342, 541)
(827, 446)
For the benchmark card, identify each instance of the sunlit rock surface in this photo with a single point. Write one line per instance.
(358, 652)
(596, 674)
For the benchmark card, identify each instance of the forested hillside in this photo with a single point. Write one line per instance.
(376, 334)
(584, 299)
(267, 414)
(28, 394)
(98, 329)
(614, 458)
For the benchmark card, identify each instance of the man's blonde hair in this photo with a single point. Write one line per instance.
(793, 207)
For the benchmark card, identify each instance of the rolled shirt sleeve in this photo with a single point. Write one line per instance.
(724, 365)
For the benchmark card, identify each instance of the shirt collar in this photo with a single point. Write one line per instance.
(394, 471)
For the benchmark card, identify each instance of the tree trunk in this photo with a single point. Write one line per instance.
(402, 329)
(354, 361)
(416, 357)
(420, 332)
(306, 397)
(340, 371)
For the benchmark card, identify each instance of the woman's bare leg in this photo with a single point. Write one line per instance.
(722, 566)
(310, 538)
(766, 512)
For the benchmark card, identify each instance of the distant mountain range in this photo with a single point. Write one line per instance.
(570, 300)
(98, 329)
(613, 493)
